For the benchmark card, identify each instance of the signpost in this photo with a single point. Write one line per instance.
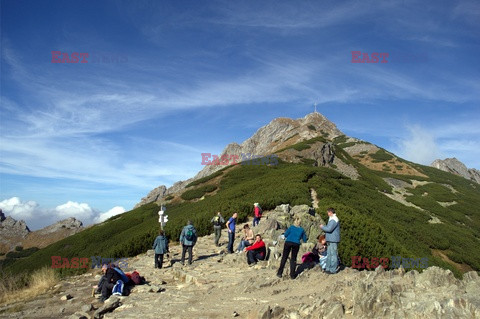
(162, 219)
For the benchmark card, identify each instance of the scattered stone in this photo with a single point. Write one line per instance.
(79, 315)
(110, 305)
(235, 314)
(66, 297)
(87, 308)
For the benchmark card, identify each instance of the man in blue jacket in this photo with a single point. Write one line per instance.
(332, 235)
(188, 238)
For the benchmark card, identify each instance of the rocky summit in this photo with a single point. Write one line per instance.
(220, 285)
(454, 166)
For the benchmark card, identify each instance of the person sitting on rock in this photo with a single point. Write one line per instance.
(188, 238)
(108, 280)
(320, 251)
(256, 251)
(293, 235)
(161, 247)
(217, 222)
(247, 239)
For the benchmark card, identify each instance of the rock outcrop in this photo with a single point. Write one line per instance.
(454, 166)
(278, 134)
(72, 224)
(153, 196)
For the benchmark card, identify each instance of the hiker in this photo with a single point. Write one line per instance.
(161, 247)
(188, 238)
(332, 235)
(320, 251)
(247, 239)
(293, 235)
(217, 221)
(256, 251)
(231, 231)
(257, 214)
(108, 280)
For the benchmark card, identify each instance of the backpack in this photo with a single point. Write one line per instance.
(135, 277)
(216, 221)
(189, 235)
(122, 275)
(118, 288)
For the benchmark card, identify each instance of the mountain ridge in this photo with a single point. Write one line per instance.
(454, 166)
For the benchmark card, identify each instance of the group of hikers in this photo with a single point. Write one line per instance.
(324, 254)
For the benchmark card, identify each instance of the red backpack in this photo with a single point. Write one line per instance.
(135, 277)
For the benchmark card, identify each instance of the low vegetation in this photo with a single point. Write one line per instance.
(373, 225)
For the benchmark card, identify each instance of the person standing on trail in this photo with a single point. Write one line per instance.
(257, 214)
(332, 235)
(293, 235)
(231, 232)
(217, 222)
(188, 238)
(161, 247)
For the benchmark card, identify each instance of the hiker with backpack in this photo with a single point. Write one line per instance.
(217, 221)
(257, 251)
(293, 235)
(161, 247)
(257, 214)
(332, 235)
(231, 232)
(247, 239)
(188, 238)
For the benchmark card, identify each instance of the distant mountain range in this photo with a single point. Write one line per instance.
(15, 233)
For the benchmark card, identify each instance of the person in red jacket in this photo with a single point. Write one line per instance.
(256, 251)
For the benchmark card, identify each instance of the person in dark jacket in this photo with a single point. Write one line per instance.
(108, 280)
(188, 238)
(293, 235)
(256, 251)
(217, 222)
(161, 247)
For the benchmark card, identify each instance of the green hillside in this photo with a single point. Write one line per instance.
(373, 225)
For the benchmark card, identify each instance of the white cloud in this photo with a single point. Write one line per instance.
(17, 209)
(112, 212)
(38, 217)
(80, 211)
(419, 146)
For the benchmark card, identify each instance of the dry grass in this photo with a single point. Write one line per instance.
(13, 290)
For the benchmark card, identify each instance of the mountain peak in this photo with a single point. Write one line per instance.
(454, 166)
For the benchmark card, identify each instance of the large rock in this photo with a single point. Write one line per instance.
(454, 166)
(71, 223)
(153, 196)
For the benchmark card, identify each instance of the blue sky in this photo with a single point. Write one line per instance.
(168, 80)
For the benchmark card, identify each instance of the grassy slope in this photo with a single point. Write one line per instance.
(373, 225)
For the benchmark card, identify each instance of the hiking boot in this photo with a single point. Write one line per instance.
(279, 276)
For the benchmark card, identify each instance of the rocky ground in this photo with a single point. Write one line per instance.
(220, 285)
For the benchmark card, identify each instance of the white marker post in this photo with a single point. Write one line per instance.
(162, 219)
